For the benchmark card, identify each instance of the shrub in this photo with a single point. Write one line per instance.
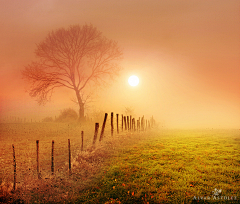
(67, 115)
(47, 120)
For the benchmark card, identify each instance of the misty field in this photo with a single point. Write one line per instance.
(154, 166)
(24, 136)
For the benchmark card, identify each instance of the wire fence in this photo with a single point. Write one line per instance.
(48, 149)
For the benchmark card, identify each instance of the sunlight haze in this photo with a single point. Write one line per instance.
(185, 53)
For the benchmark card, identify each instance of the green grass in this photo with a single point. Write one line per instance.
(165, 166)
(175, 167)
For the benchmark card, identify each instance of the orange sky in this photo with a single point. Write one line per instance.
(186, 54)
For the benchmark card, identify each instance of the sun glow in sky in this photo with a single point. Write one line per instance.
(186, 54)
(133, 80)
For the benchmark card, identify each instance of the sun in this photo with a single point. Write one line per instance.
(133, 80)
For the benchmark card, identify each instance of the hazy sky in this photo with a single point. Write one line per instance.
(186, 54)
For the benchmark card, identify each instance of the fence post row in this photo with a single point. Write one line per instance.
(129, 125)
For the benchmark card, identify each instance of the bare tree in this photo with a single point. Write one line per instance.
(73, 58)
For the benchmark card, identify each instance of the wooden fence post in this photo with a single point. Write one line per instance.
(103, 127)
(122, 122)
(38, 172)
(117, 125)
(133, 124)
(82, 141)
(125, 122)
(138, 125)
(111, 123)
(128, 123)
(14, 169)
(52, 166)
(69, 157)
(95, 133)
(152, 121)
(142, 123)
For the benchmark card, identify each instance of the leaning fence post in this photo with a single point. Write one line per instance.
(95, 133)
(69, 156)
(103, 127)
(111, 123)
(52, 166)
(14, 169)
(37, 144)
(117, 125)
(82, 140)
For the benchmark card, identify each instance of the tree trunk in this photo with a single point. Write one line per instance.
(81, 112)
(81, 106)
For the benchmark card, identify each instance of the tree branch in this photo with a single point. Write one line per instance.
(73, 58)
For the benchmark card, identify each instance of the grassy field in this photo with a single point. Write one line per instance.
(173, 167)
(164, 166)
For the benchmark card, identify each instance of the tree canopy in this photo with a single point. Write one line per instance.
(73, 58)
